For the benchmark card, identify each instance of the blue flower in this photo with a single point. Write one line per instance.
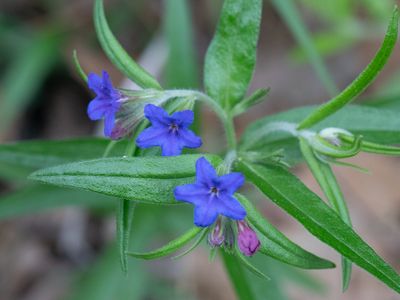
(106, 103)
(171, 133)
(212, 195)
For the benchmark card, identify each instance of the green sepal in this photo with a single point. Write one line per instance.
(194, 245)
(117, 54)
(169, 248)
(249, 266)
(322, 146)
(373, 147)
(275, 244)
(124, 219)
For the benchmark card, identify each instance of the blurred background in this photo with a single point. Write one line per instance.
(50, 249)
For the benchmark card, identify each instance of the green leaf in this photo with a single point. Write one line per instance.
(28, 156)
(253, 99)
(277, 245)
(249, 266)
(377, 125)
(169, 248)
(327, 181)
(26, 74)
(231, 56)
(290, 15)
(117, 54)
(363, 80)
(237, 276)
(201, 237)
(144, 179)
(39, 198)
(181, 69)
(296, 199)
(78, 67)
(124, 219)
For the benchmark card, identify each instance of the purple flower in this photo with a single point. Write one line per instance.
(212, 195)
(106, 103)
(171, 133)
(248, 241)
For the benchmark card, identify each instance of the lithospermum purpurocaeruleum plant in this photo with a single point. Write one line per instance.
(154, 123)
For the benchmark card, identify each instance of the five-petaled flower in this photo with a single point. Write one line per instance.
(212, 195)
(171, 133)
(106, 103)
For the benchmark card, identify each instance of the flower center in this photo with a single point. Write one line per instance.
(173, 127)
(214, 191)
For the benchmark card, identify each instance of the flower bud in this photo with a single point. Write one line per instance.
(216, 236)
(248, 241)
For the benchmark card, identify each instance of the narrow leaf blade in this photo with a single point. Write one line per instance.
(144, 179)
(296, 199)
(117, 54)
(277, 245)
(124, 219)
(169, 248)
(363, 80)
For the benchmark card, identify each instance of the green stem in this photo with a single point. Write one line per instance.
(230, 132)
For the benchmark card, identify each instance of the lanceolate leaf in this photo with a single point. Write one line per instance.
(124, 224)
(277, 245)
(231, 55)
(117, 54)
(377, 125)
(363, 80)
(327, 181)
(296, 199)
(170, 247)
(144, 179)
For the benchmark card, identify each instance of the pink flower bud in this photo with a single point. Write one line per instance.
(216, 236)
(248, 241)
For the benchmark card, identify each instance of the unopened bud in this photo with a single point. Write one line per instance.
(248, 241)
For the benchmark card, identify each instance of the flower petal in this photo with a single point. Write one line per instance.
(205, 173)
(151, 137)
(107, 81)
(95, 82)
(97, 109)
(156, 115)
(191, 193)
(171, 146)
(204, 215)
(230, 207)
(109, 121)
(189, 139)
(183, 118)
(231, 182)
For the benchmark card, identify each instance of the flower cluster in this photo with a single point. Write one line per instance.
(212, 195)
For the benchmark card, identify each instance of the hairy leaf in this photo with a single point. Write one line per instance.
(277, 245)
(144, 179)
(231, 56)
(296, 199)
(117, 54)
